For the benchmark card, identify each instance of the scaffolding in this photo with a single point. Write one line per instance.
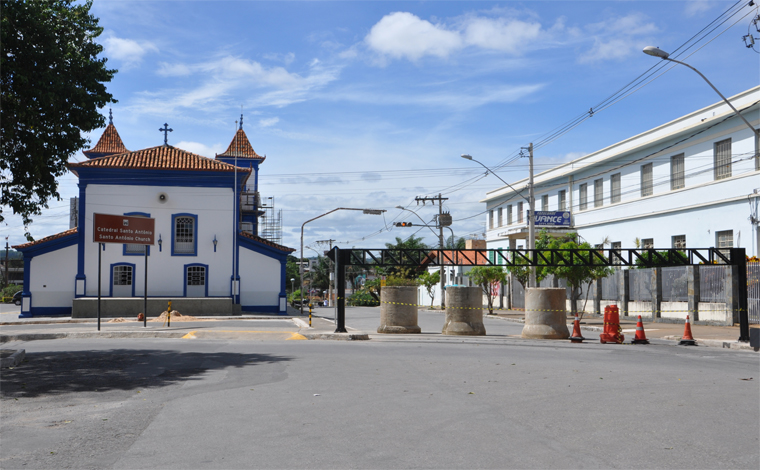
(270, 222)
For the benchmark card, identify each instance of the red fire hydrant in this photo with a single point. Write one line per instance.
(612, 332)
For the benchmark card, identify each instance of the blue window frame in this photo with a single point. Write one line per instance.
(133, 249)
(122, 274)
(195, 275)
(184, 235)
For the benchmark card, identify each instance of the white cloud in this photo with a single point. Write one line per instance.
(500, 34)
(617, 38)
(269, 122)
(128, 51)
(287, 59)
(697, 7)
(404, 35)
(201, 149)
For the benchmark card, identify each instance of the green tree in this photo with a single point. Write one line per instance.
(292, 272)
(52, 87)
(453, 243)
(429, 280)
(576, 274)
(408, 272)
(486, 277)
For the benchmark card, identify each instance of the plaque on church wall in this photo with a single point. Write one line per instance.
(111, 228)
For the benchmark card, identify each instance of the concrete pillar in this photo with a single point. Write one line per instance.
(692, 290)
(398, 310)
(656, 288)
(623, 291)
(464, 311)
(545, 315)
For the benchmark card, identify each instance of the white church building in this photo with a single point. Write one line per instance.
(692, 182)
(208, 258)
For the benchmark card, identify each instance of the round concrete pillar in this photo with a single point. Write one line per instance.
(398, 310)
(545, 316)
(464, 311)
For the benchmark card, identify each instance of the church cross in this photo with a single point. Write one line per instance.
(166, 131)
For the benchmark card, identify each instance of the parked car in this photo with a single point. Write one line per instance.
(17, 298)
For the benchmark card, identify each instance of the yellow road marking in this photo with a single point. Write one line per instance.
(190, 335)
(293, 335)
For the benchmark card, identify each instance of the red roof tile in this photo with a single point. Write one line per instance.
(240, 147)
(267, 242)
(109, 144)
(164, 157)
(46, 239)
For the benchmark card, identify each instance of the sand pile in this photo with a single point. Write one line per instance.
(118, 320)
(176, 316)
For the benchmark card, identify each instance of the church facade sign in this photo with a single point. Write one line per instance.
(111, 228)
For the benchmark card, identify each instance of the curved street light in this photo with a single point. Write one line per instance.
(657, 52)
(365, 211)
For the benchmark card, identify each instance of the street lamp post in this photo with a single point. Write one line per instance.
(531, 205)
(657, 52)
(366, 211)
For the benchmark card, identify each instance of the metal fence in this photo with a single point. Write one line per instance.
(753, 292)
(675, 284)
(712, 283)
(610, 285)
(640, 284)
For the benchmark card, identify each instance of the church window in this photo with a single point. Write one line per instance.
(184, 235)
(134, 249)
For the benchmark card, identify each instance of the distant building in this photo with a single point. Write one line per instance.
(206, 225)
(453, 275)
(692, 182)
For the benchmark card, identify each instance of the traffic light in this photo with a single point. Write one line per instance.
(403, 224)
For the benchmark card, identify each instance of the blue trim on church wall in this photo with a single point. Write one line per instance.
(184, 280)
(136, 177)
(48, 312)
(134, 272)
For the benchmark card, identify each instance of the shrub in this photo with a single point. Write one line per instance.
(362, 299)
(397, 281)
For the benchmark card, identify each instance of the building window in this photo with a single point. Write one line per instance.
(646, 180)
(519, 212)
(722, 158)
(647, 243)
(184, 234)
(134, 249)
(196, 276)
(501, 220)
(598, 192)
(509, 214)
(545, 202)
(724, 239)
(122, 275)
(676, 172)
(583, 197)
(615, 188)
(490, 219)
(562, 200)
(679, 241)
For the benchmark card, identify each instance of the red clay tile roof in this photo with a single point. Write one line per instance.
(463, 258)
(109, 144)
(46, 239)
(241, 147)
(164, 157)
(267, 242)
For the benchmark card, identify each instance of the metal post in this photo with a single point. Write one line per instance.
(532, 218)
(739, 259)
(440, 240)
(145, 294)
(100, 247)
(341, 288)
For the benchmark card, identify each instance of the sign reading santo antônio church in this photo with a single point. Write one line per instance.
(109, 228)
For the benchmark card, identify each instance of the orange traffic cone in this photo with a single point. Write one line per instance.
(640, 337)
(577, 337)
(687, 339)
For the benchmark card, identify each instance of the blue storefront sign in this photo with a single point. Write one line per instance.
(552, 218)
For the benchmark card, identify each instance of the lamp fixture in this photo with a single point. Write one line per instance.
(160, 242)
(215, 242)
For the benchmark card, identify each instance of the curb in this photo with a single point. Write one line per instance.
(79, 335)
(717, 343)
(14, 359)
(338, 336)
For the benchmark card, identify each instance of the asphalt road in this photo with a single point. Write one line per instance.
(392, 403)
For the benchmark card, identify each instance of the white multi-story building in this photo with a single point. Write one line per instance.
(692, 182)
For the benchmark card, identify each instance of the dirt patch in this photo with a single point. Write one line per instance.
(118, 320)
(176, 316)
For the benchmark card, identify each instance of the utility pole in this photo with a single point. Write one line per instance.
(7, 282)
(532, 218)
(330, 277)
(440, 200)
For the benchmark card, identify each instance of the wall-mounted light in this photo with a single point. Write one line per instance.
(160, 242)
(215, 242)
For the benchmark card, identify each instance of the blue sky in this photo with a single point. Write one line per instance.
(369, 104)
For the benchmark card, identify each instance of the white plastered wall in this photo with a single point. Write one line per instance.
(52, 276)
(214, 209)
(260, 278)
